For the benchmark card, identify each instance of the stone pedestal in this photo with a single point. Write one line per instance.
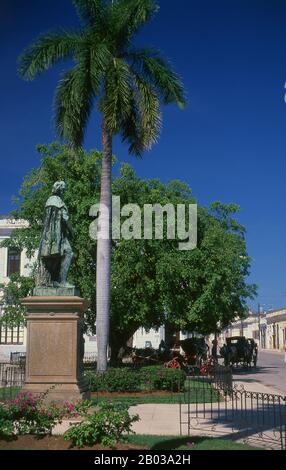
(55, 347)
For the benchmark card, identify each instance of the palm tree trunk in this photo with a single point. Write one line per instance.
(104, 255)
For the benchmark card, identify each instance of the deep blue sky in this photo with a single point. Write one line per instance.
(229, 145)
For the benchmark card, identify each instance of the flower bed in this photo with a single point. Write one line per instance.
(27, 415)
(58, 443)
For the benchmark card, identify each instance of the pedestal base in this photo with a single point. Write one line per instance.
(58, 393)
(56, 291)
(55, 348)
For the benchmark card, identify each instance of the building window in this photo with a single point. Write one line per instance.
(13, 335)
(14, 262)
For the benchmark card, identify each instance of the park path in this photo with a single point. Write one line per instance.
(209, 421)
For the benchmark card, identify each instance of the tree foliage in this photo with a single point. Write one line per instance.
(153, 283)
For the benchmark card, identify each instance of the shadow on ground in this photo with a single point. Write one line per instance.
(193, 443)
(253, 370)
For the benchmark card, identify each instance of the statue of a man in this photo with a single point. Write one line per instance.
(55, 252)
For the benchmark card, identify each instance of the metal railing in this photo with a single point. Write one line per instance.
(18, 358)
(214, 406)
(12, 378)
(222, 377)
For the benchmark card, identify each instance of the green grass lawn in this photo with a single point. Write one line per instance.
(187, 443)
(194, 392)
(136, 400)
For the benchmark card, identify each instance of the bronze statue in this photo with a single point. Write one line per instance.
(55, 252)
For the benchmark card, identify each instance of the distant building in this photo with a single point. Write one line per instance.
(254, 326)
(268, 329)
(148, 338)
(11, 261)
(276, 329)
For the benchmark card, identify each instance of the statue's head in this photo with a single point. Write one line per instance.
(59, 188)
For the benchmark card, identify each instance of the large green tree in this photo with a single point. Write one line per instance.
(152, 282)
(127, 86)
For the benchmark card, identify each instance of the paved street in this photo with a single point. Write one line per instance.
(270, 373)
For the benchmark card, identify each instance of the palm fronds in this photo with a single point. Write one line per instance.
(159, 71)
(47, 50)
(90, 12)
(73, 103)
(128, 84)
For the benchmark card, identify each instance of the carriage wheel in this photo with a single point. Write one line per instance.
(175, 364)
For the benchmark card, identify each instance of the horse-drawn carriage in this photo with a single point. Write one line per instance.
(239, 350)
(196, 350)
(185, 353)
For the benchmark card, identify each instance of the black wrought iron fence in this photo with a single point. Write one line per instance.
(214, 406)
(18, 358)
(12, 378)
(221, 377)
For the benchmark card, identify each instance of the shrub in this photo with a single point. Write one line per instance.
(114, 380)
(26, 415)
(128, 380)
(159, 378)
(6, 426)
(106, 426)
(73, 410)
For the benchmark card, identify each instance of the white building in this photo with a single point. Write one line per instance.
(249, 327)
(276, 329)
(11, 261)
(148, 338)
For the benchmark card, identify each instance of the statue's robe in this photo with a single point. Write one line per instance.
(53, 240)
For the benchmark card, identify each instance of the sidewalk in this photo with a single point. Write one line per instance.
(257, 387)
(205, 420)
(275, 351)
(164, 420)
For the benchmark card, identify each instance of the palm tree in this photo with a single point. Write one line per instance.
(127, 85)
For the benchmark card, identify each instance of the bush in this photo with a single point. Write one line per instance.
(128, 380)
(106, 426)
(114, 380)
(26, 414)
(159, 378)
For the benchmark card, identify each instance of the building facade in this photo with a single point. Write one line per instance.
(11, 261)
(276, 329)
(251, 327)
(268, 329)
